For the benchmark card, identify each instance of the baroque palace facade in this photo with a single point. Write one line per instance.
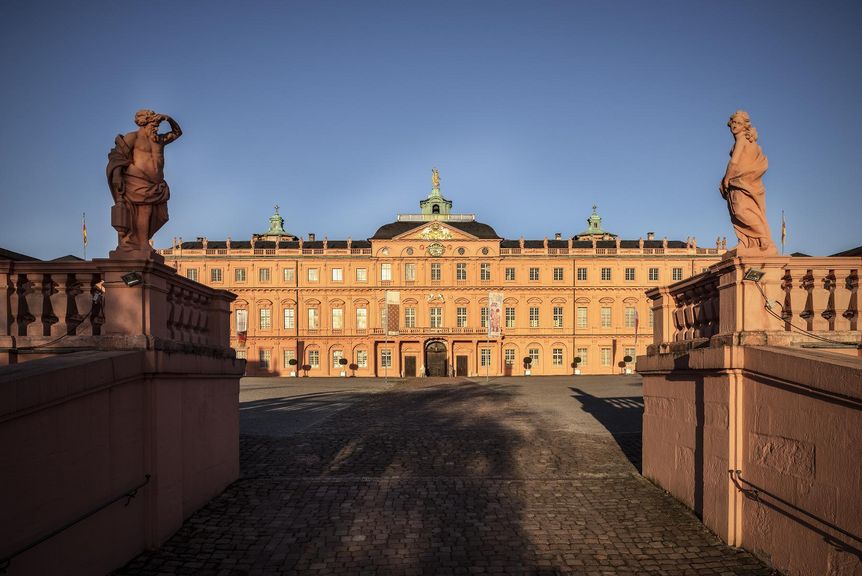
(318, 301)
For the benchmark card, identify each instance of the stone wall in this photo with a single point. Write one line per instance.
(762, 442)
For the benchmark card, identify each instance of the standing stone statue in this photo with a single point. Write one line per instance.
(137, 181)
(742, 187)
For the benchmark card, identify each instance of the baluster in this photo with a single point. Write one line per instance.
(851, 313)
(172, 312)
(10, 307)
(185, 325)
(829, 310)
(807, 313)
(679, 320)
(97, 304)
(787, 308)
(194, 329)
(61, 303)
(820, 320)
(205, 320)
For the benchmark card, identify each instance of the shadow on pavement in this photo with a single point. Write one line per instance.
(622, 416)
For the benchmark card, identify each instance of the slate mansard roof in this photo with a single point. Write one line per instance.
(393, 229)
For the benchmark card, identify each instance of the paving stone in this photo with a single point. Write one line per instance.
(443, 477)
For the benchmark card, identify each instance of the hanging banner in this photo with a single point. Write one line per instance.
(393, 312)
(495, 314)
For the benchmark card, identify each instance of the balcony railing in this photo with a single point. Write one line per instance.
(797, 301)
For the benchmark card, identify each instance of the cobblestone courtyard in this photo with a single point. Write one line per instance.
(513, 476)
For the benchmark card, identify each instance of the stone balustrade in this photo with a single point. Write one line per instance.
(53, 306)
(795, 295)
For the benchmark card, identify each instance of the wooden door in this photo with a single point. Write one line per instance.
(435, 359)
(460, 365)
(409, 366)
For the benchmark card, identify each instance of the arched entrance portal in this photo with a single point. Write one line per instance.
(435, 359)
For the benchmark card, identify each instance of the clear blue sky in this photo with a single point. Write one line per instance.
(337, 111)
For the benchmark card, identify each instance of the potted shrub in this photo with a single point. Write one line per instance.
(293, 364)
(306, 368)
(343, 362)
(527, 363)
(353, 368)
(575, 364)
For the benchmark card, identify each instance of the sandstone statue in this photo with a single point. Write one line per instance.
(137, 181)
(742, 187)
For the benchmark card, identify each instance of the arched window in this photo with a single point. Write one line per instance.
(435, 209)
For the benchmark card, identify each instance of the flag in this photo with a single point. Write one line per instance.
(783, 231)
(392, 312)
(84, 228)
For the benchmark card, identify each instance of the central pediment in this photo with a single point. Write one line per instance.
(435, 231)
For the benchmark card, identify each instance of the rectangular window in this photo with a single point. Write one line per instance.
(461, 316)
(533, 353)
(362, 275)
(510, 274)
(485, 357)
(263, 274)
(287, 356)
(192, 274)
(265, 359)
(337, 355)
(460, 271)
(653, 274)
(265, 318)
(631, 314)
(606, 317)
(289, 318)
(584, 356)
(288, 275)
(215, 275)
(362, 318)
(410, 272)
(582, 274)
(606, 357)
(630, 273)
(241, 354)
(534, 274)
(436, 317)
(558, 316)
(239, 275)
(629, 351)
(510, 317)
(534, 317)
(337, 275)
(386, 272)
(314, 358)
(362, 358)
(558, 273)
(677, 274)
(557, 356)
(337, 318)
(509, 356)
(606, 273)
(410, 317)
(313, 320)
(582, 316)
(484, 272)
(242, 321)
(435, 271)
(483, 317)
(386, 358)
(313, 275)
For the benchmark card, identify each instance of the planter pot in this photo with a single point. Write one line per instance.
(577, 371)
(526, 372)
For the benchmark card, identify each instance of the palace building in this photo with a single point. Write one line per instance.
(319, 301)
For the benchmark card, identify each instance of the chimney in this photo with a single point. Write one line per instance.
(558, 235)
(311, 236)
(650, 235)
